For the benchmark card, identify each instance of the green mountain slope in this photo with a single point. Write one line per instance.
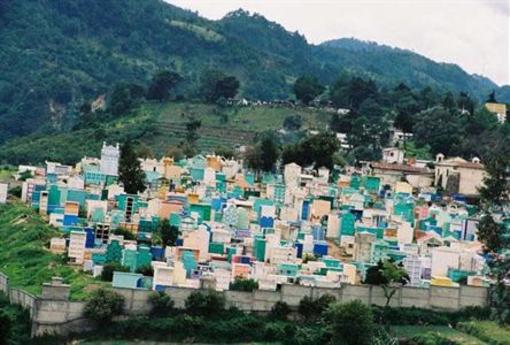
(394, 64)
(57, 54)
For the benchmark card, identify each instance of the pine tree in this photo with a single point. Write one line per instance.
(130, 171)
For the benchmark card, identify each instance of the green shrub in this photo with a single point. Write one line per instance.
(15, 323)
(179, 323)
(350, 323)
(312, 308)
(309, 335)
(15, 191)
(278, 331)
(241, 329)
(103, 306)
(431, 338)
(241, 284)
(5, 327)
(279, 311)
(128, 235)
(383, 337)
(420, 316)
(207, 304)
(293, 122)
(409, 316)
(146, 270)
(25, 175)
(161, 304)
(108, 269)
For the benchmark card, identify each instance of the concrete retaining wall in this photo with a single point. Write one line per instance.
(4, 284)
(57, 316)
(24, 299)
(432, 298)
(137, 301)
(18, 296)
(53, 312)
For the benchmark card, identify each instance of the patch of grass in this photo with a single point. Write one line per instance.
(202, 32)
(6, 174)
(408, 332)
(24, 257)
(488, 331)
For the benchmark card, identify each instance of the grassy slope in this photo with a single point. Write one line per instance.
(223, 126)
(469, 333)
(407, 332)
(160, 125)
(24, 237)
(488, 331)
(6, 174)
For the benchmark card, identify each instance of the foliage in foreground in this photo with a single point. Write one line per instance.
(103, 306)
(338, 323)
(423, 317)
(431, 338)
(161, 304)
(494, 198)
(350, 323)
(487, 331)
(206, 304)
(14, 324)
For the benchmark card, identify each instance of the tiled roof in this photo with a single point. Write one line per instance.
(470, 165)
(399, 167)
(461, 163)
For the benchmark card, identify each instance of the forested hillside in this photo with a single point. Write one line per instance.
(399, 65)
(58, 54)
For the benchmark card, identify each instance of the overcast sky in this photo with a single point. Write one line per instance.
(471, 33)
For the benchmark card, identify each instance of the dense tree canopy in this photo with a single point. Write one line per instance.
(439, 128)
(216, 84)
(352, 93)
(307, 88)
(161, 84)
(316, 149)
(406, 107)
(122, 99)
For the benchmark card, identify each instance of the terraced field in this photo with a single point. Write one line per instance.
(249, 118)
(160, 125)
(210, 137)
(221, 126)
